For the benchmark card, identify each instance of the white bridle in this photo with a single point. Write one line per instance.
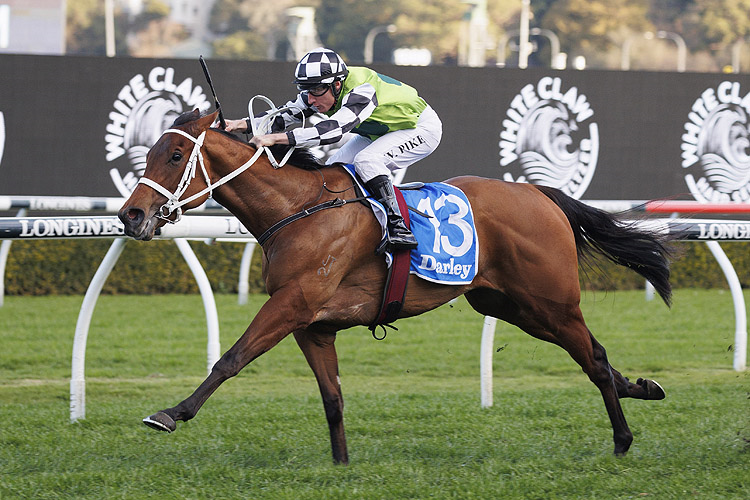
(174, 204)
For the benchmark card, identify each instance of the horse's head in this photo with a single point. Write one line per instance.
(166, 190)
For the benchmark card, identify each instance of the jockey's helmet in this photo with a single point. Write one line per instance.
(319, 67)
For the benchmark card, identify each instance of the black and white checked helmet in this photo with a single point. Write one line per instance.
(320, 66)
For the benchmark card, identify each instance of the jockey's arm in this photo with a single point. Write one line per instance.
(269, 139)
(236, 125)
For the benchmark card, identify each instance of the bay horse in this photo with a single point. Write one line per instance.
(323, 276)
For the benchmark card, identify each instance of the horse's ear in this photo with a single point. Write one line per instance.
(207, 120)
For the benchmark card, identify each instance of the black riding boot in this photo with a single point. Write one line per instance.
(399, 236)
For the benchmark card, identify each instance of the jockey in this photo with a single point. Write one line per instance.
(395, 127)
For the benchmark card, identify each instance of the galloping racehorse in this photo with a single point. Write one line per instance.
(530, 237)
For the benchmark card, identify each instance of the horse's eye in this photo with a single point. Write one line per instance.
(176, 156)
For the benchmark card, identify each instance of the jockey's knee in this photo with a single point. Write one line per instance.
(369, 167)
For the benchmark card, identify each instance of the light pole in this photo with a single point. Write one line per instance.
(109, 27)
(625, 51)
(301, 31)
(4, 26)
(370, 39)
(677, 39)
(554, 44)
(524, 48)
(681, 47)
(736, 49)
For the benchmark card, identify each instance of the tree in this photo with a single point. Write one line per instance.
(248, 29)
(723, 22)
(433, 24)
(85, 30)
(153, 10)
(343, 25)
(152, 34)
(596, 25)
(244, 44)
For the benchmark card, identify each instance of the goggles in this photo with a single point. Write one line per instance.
(317, 91)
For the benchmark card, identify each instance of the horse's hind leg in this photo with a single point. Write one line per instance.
(320, 352)
(563, 325)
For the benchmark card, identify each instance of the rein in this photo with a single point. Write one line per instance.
(265, 125)
(174, 205)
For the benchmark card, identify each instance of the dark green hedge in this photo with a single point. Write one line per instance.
(694, 267)
(67, 266)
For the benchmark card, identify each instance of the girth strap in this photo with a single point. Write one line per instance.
(395, 285)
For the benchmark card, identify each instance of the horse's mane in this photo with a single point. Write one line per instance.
(187, 117)
(301, 157)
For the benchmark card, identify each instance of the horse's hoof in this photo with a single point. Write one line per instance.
(653, 390)
(161, 422)
(622, 443)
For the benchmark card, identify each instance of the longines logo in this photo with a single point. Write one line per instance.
(724, 231)
(545, 139)
(144, 108)
(716, 145)
(82, 227)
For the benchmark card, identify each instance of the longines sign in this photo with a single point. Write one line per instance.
(67, 227)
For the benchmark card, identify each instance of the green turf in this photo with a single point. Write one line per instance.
(414, 423)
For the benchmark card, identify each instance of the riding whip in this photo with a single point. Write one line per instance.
(216, 99)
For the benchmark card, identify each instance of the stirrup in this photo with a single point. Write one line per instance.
(388, 245)
(403, 241)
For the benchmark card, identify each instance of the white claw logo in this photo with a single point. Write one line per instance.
(144, 108)
(716, 145)
(545, 138)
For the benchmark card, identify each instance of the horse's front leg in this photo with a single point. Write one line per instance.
(320, 352)
(282, 314)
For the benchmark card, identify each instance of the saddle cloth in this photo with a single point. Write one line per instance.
(443, 223)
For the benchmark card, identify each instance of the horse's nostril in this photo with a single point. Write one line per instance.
(131, 216)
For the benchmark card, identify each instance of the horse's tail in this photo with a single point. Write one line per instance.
(597, 232)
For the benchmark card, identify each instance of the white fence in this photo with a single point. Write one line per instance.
(218, 228)
(228, 228)
(710, 231)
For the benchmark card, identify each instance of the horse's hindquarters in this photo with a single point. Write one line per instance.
(526, 245)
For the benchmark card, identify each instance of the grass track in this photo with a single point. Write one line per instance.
(413, 419)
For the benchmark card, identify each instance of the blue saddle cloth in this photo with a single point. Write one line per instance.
(448, 251)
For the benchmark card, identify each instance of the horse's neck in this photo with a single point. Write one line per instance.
(261, 195)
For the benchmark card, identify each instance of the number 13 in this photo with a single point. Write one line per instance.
(456, 219)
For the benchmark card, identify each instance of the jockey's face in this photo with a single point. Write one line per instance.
(323, 103)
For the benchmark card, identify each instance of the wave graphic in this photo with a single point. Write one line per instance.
(544, 145)
(724, 148)
(150, 117)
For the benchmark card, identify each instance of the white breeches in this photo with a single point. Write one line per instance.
(393, 151)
